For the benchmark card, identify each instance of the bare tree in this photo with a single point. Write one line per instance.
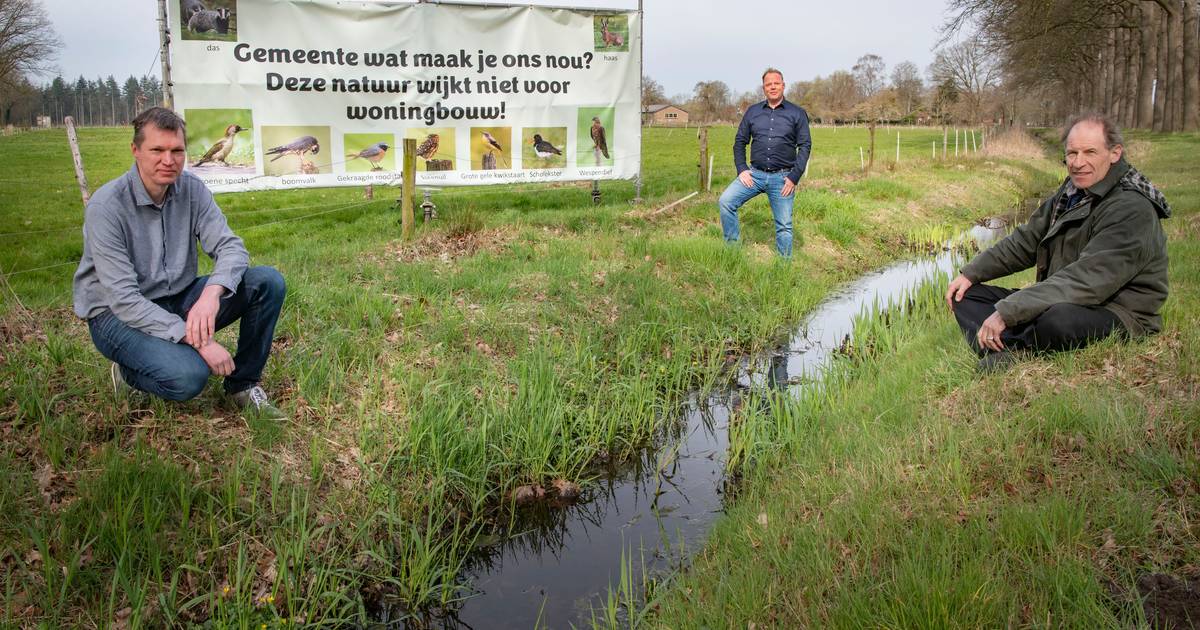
(1147, 28)
(28, 43)
(880, 107)
(798, 91)
(1138, 60)
(745, 100)
(972, 69)
(652, 92)
(869, 74)
(711, 101)
(906, 80)
(842, 95)
(28, 46)
(1191, 57)
(1175, 79)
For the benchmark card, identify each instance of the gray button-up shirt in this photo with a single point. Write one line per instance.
(135, 251)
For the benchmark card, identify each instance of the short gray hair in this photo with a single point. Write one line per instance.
(771, 71)
(1112, 133)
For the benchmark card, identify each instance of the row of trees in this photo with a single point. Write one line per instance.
(962, 84)
(102, 101)
(28, 49)
(1134, 59)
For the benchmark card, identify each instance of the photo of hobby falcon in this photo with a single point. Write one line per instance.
(428, 147)
(221, 149)
(373, 154)
(598, 139)
(299, 147)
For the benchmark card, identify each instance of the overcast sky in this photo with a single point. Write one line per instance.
(686, 40)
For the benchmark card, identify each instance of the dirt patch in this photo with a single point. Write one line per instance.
(1169, 602)
(447, 247)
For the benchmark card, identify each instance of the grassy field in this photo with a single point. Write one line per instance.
(917, 494)
(522, 337)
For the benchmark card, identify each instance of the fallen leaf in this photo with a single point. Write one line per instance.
(122, 620)
(762, 519)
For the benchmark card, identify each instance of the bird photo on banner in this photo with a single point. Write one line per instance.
(297, 150)
(369, 152)
(593, 139)
(435, 148)
(543, 147)
(220, 141)
(491, 148)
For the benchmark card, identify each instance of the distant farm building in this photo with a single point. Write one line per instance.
(664, 114)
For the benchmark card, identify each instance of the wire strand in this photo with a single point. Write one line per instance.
(21, 271)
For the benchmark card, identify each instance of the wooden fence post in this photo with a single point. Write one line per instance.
(703, 134)
(80, 176)
(409, 190)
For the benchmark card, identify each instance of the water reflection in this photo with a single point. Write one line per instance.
(808, 351)
(555, 563)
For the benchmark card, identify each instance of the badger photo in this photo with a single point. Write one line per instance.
(208, 20)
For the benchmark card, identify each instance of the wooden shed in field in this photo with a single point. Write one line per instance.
(664, 114)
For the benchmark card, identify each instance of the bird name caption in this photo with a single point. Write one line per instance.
(442, 86)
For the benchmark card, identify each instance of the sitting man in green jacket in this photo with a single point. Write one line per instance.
(1100, 253)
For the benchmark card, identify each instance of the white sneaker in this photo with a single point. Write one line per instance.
(254, 402)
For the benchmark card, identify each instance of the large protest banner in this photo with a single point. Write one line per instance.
(311, 93)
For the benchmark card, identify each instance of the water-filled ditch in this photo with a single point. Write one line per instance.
(557, 563)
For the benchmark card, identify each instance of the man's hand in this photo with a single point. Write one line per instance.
(746, 178)
(989, 333)
(202, 317)
(218, 358)
(958, 287)
(788, 187)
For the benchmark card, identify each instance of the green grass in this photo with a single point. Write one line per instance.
(914, 493)
(520, 337)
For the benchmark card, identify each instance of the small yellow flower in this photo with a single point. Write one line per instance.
(270, 599)
(264, 626)
(225, 591)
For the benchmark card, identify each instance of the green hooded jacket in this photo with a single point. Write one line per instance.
(1108, 249)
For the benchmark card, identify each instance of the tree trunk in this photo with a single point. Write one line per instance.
(1161, 70)
(1133, 60)
(1119, 70)
(1191, 83)
(1145, 98)
(1175, 120)
(1109, 72)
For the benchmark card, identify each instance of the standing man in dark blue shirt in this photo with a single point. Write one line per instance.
(779, 146)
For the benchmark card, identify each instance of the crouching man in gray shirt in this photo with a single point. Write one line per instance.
(137, 286)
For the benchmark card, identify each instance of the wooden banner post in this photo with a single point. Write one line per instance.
(409, 190)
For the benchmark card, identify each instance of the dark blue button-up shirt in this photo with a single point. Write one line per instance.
(781, 139)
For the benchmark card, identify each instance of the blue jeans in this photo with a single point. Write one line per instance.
(737, 194)
(176, 371)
